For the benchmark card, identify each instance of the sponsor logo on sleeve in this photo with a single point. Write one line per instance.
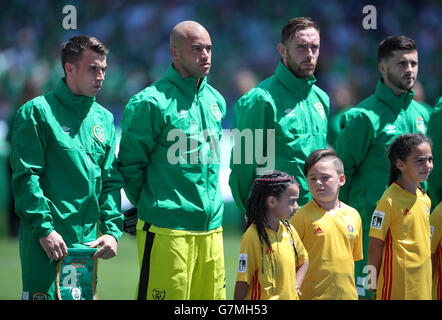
(377, 219)
(242, 264)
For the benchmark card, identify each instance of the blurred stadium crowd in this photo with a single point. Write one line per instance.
(244, 34)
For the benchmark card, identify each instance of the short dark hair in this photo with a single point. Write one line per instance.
(321, 154)
(72, 49)
(296, 24)
(390, 44)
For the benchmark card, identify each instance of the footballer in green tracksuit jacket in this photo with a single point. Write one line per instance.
(169, 157)
(168, 153)
(435, 133)
(296, 111)
(367, 130)
(64, 178)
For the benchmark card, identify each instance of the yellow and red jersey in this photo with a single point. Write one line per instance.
(401, 220)
(271, 272)
(436, 250)
(333, 241)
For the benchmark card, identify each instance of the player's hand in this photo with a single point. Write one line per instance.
(54, 246)
(107, 245)
(373, 292)
(298, 291)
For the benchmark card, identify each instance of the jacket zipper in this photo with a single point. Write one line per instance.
(84, 142)
(204, 124)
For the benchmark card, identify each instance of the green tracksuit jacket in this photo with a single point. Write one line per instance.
(169, 153)
(297, 110)
(64, 176)
(367, 130)
(435, 133)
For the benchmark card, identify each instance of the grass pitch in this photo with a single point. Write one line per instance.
(117, 277)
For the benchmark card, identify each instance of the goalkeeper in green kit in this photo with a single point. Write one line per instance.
(64, 175)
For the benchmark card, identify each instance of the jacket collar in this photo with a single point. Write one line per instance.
(293, 83)
(187, 85)
(70, 100)
(387, 96)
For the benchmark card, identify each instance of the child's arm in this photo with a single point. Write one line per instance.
(241, 288)
(300, 274)
(374, 258)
